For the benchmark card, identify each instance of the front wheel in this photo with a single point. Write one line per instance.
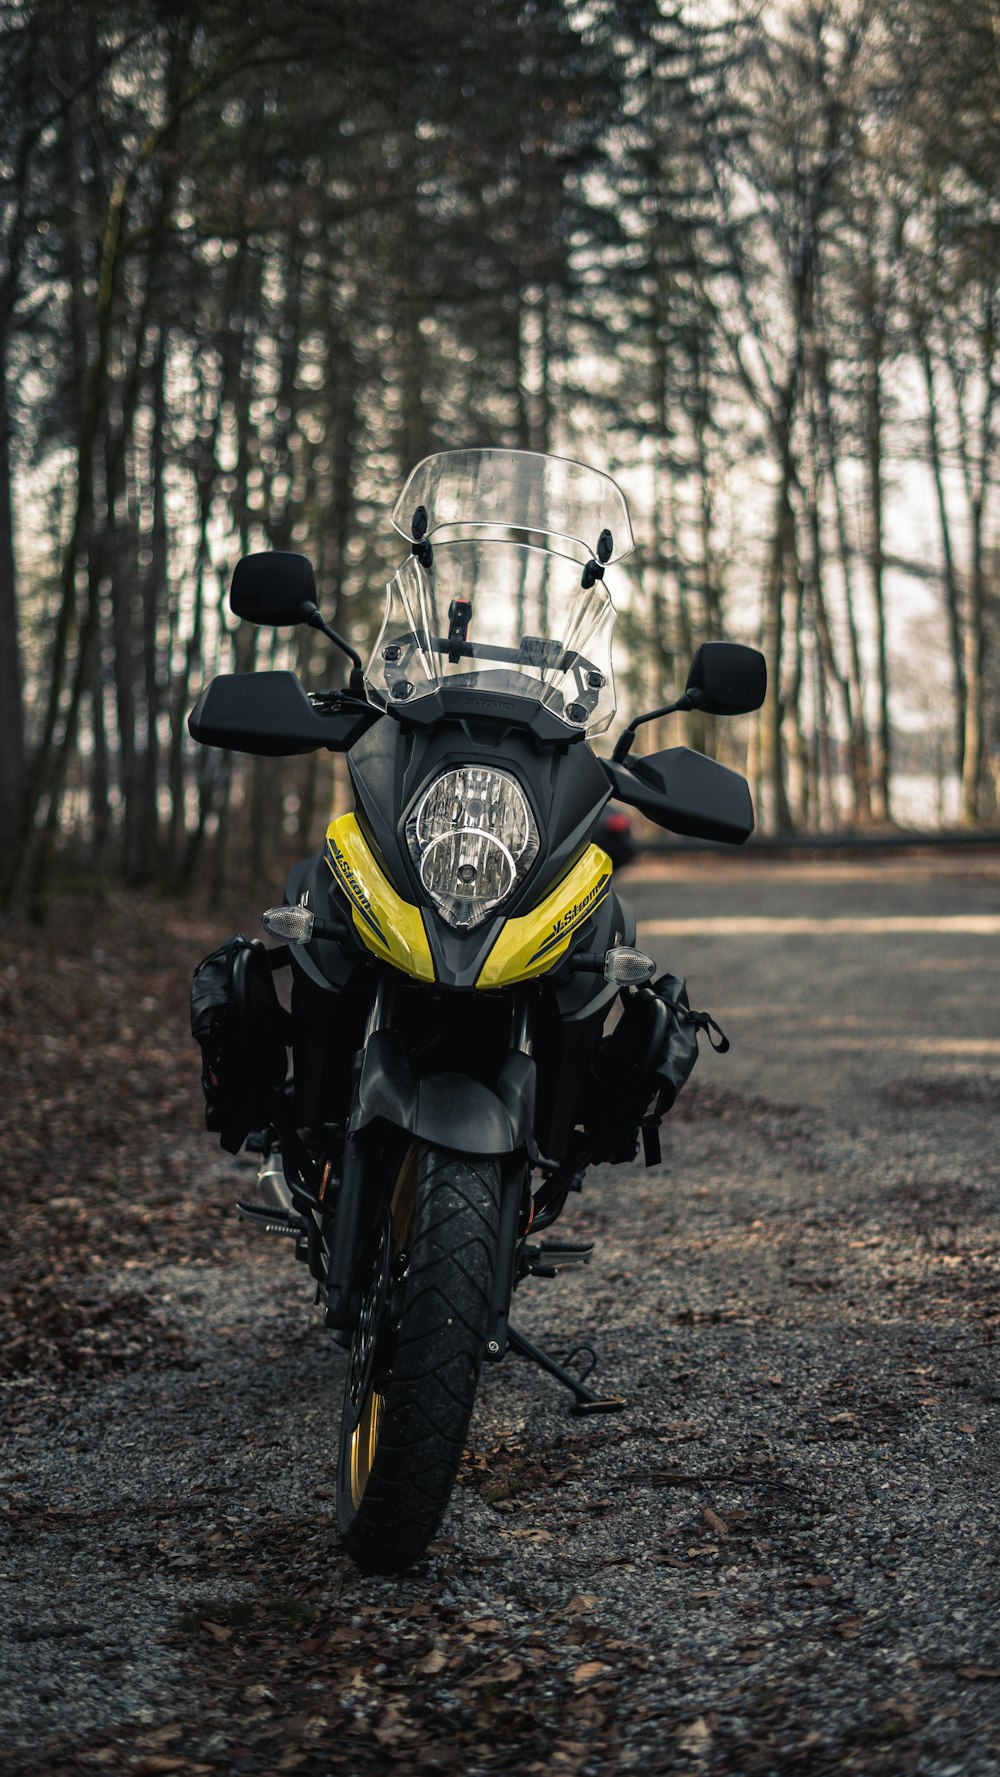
(415, 1356)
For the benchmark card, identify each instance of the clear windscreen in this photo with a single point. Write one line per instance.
(503, 490)
(498, 616)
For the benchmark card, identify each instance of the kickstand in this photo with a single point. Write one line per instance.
(585, 1402)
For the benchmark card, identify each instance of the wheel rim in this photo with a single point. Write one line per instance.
(364, 1443)
(367, 1401)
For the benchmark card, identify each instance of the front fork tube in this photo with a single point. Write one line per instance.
(511, 1198)
(343, 1301)
(513, 1179)
(341, 1306)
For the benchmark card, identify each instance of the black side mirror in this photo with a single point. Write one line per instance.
(274, 588)
(279, 587)
(727, 679)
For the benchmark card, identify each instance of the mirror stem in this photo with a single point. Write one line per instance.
(623, 745)
(315, 621)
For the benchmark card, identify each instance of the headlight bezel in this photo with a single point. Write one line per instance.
(437, 848)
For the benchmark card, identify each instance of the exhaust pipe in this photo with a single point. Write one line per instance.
(274, 1210)
(271, 1187)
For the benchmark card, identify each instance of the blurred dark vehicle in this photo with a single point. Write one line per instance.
(614, 835)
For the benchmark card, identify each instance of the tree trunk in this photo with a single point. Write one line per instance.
(153, 593)
(859, 757)
(974, 773)
(11, 687)
(774, 796)
(796, 754)
(882, 752)
(827, 672)
(100, 800)
(974, 659)
(12, 749)
(953, 597)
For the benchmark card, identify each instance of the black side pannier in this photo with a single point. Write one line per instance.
(243, 1032)
(641, 1067)
(680, 1050)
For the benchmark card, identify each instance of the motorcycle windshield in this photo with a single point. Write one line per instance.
(501, 617)
(520, 490)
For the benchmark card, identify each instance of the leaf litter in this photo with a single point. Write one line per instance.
(568, 1613)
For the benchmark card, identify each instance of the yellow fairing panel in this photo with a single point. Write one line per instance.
(390, 927)
(530, 945)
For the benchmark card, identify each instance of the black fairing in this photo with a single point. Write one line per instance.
(332, 987)
(566, 786)
(424, 1053)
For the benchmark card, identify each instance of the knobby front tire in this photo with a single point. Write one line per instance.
(416, 1355)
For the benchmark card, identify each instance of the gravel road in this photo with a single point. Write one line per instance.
(781, 1556)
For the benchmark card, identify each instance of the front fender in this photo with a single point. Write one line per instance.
(447, 1110)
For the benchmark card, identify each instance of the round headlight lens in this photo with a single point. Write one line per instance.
(472, 837)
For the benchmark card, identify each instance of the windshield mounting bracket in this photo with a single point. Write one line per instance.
(459, 618)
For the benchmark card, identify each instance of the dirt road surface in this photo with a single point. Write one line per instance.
(781, 1556)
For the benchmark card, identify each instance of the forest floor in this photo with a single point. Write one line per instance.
(780, 1557)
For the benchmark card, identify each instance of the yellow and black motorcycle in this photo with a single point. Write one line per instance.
(455, 951)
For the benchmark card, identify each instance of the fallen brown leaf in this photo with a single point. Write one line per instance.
(158, 1737)
(495, 1671)
(695, 1737)
(589, 1669)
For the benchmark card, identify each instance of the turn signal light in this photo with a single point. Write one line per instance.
(630, 968)
(294, 924)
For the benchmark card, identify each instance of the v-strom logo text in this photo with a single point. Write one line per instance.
(573, 915)
(354, 887)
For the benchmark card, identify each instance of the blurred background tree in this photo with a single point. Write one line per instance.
(256, 263)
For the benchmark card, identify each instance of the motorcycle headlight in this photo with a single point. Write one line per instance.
(473, 838)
